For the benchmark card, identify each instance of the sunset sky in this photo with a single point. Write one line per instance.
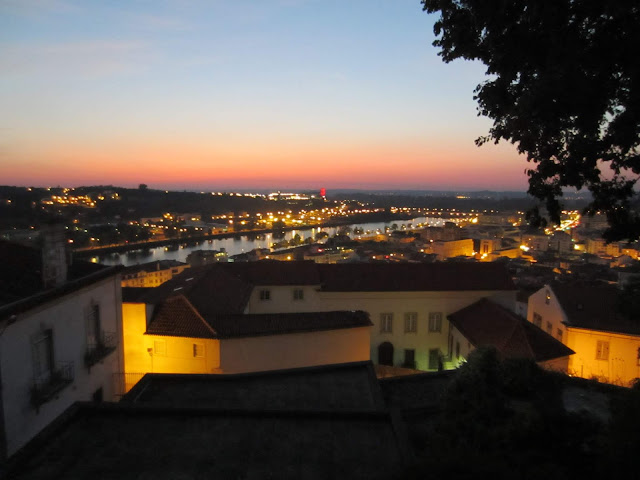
(225, 94)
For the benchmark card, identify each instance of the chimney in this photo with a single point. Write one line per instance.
(54, 256)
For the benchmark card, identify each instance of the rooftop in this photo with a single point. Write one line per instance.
(226, 287)
(485, 323)
(593, 307)
(314, 423)
(344, 387)
(177, 317)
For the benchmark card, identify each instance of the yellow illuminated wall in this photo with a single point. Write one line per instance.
(618, 364)
(165, 354)
(610, 357)
(162, 354)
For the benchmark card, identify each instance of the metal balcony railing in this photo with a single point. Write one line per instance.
(97, 351)
(44, 390)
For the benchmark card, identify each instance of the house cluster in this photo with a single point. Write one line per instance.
(69, 331)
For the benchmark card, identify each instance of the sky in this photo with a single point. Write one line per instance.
(223, 94)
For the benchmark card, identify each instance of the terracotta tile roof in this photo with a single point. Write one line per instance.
(225, 288)
(273, 272)
(232, 326)
(407, 277)
(593, 307)
(486, 323)
(210, 289)
(176, 317)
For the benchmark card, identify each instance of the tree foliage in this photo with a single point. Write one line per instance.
(564, 87)
(629, 299)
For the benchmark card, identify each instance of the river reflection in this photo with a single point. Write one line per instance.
(246, 243)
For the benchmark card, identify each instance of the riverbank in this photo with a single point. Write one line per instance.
(128, 247)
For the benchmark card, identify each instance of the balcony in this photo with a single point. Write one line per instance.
(44, 390)
(97, 351)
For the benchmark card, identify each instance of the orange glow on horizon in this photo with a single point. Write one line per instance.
(410, 163)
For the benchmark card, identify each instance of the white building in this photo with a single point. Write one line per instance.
(408, 304)
(60, 336)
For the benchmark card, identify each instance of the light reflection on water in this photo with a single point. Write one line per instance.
(246, 243)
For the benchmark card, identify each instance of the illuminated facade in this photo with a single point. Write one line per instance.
(584, 318)
(186, 328)
(408, 304)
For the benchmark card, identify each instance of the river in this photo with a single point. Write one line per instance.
(245, 243)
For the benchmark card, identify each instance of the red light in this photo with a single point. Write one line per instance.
(323, 192)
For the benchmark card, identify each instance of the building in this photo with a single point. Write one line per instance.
(408, 303)
(199, 323)
(60, 336)
(152, 274)
(312, 423)
(198, 258)
(485, 323)
(561, 243)
(488, 245)
(585, 319)
(600, 247)
(453, 248)
(536, 242)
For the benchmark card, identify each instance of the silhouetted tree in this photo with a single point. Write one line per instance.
(564, 88)
(629, 299)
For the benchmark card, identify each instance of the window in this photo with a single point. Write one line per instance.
(435, 321)
(549, 328)
(198, 350)
(265, 295)
(160, 347)
(386, 322)
(560, 334)
(602, 350)
(411, 322)
(537, 320)
(42, 350)
(298, 294)
(93, 325)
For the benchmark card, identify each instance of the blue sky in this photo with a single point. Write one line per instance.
(217, 94)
